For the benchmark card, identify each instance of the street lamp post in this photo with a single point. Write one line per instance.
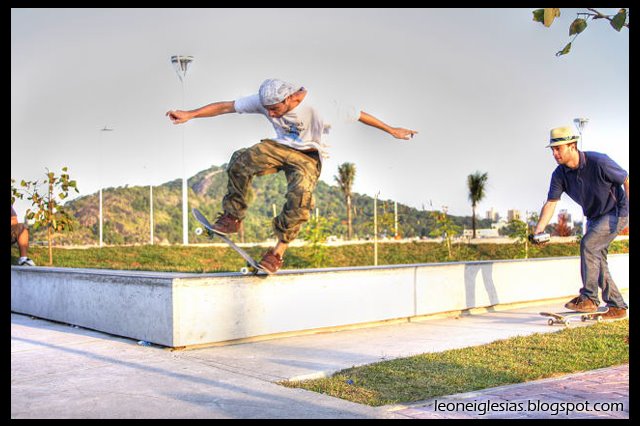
(150, 214)
(181, 64)
(375, 229)
(445, 209)
(104, 129)
(580, 124)
(395, 210)
(150, 209)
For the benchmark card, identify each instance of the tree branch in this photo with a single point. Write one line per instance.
(599, 15)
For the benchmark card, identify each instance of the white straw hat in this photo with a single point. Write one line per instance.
(561, 136)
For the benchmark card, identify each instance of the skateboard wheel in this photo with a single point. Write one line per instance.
(199, 231)
(244, 270)
(584, 318)
(599, 318)
(550, 322)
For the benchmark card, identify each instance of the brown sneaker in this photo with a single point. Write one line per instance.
(581, 304)
(271, 262)
(615, 313)
(226, 224)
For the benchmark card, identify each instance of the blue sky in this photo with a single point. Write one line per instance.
(483, 88)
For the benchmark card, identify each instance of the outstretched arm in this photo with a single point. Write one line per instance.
(396, 132)
(545, 215)
(211, 110)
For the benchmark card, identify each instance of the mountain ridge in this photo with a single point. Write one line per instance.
(126, 211)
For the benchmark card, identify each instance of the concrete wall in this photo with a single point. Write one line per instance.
(125, 303)
(190, 309)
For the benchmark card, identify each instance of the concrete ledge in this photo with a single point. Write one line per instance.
(177, 310)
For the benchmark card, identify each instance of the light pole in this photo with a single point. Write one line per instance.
(151, 214)
(580, 124)
(181, 64)
(104, 129)
(395, 211)
(375, 228)
(150, 210)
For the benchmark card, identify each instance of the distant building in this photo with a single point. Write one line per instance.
(514, 215)
(492, 215)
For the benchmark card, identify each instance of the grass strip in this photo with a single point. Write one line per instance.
(503, 362)
(199, 259)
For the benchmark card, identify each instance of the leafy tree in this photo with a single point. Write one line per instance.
(520, 231)
(548, 15)
(316, 232)
(562, 228)
(345, 178)
(476, 184)
(48, 211)
(444, 227)
(386, 220)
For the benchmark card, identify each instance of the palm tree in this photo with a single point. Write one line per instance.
(476, 183)
(345, 178)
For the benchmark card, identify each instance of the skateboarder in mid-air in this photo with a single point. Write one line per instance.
(297, 149)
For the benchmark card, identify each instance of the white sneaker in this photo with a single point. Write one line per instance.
(25, 261)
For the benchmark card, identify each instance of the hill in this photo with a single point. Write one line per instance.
(126, 212)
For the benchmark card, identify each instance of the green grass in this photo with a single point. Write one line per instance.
(199, 259)
(509, 361)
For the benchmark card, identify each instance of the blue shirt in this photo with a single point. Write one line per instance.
(596, 185)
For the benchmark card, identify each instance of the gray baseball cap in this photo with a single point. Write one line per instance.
(273, 91)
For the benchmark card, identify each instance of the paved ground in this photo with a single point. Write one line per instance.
(61, 371)
(594, 394)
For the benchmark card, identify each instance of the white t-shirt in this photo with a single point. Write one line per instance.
(304, 127)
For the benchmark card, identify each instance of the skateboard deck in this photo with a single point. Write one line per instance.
(566, 317)
(252, 266)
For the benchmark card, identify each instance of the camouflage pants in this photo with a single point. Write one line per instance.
(301, 169)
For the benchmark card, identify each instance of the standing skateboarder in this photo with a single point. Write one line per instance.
(297, 149)
(601, 188)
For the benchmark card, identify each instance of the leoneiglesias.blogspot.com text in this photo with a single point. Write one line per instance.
(486, 407)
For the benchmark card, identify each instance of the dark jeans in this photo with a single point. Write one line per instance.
(593, 259)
